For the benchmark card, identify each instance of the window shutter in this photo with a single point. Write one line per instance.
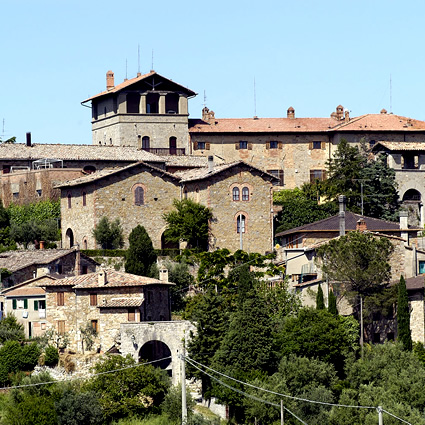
(280, 145)
(35, 305)
(237, 145)
(323, 145)
(25, 303)
(250, 146)
(310, 145)
(267, 145)
(207, 146)
(14, 303)
(195, 146)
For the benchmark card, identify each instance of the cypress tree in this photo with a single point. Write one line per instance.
(320, 303)
(141, 255)
(332, 304)
(403, 316)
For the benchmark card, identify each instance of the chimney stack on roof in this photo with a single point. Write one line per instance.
(110, 84)
(361, 225)
(341, 200)
(207, 115)
(347, 115)
(290, 113)
(101, 277)
(210, 163)
(163, 275)
(29, 139)
(383, 111)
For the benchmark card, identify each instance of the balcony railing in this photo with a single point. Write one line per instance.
(166, 151)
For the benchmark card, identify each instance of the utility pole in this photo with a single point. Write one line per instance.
(381, 419)
(241, 231)
(361, 324)
(281, 412)
(183, 384)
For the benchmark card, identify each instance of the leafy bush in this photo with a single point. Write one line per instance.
(109, 234)
(51, 356)
(11, 329)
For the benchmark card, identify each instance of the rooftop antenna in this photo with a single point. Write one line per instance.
(126, 69)
(152, 61)
(391, 96)
(255, 100)
(138, 58)
(205, 99)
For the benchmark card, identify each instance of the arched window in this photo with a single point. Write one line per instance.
(69, 200)
(89, 169)
(241, 224)
(145, 142)
(235, 194)
(245, 194)
(84, 199)
(139, 196)
(85, 243)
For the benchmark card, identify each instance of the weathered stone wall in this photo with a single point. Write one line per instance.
(417, 315)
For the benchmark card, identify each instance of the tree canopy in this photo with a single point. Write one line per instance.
(189, 222)
(109, 234)
(140, 255)
(403, 316)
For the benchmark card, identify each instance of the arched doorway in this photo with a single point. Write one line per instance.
(155, 350)
(69, 238)
(168, 245)
(412, 202)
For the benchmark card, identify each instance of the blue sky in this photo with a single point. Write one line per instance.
(312, 55)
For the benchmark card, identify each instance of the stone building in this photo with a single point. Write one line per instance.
(104, 300)
(23, 265)
(239, 195)
(149, 112)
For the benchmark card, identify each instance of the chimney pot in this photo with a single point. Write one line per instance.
(29, 139)
(361, 225)
(101, 277)
(110, 84)
(163, 275)
(290, 113)
(210, 163)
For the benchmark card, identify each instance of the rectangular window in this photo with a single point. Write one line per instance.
(279, 174)
(93, 299)
(35, 305)
(201, 146)
(317, 175)
(60, 298)
(131, 314)
(243, 144)
(42, 304)
(14, 304)
(84, 269)
(317, 145)
(61, 327)
(94, 325)
(274, 144)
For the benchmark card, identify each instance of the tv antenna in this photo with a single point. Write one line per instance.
(391, 96)
(152, 61)
(126, 69)
(205, 99)
(255, 100)
(138, 58)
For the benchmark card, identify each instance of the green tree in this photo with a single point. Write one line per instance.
(179, 274)
(140, 255)
(11, 329)
(320, 302)
(403, 316)
(299, 207)
(189, 222)
(10, 140)
(135, 390)
(332, 308)
(88, 334)
(109, 234)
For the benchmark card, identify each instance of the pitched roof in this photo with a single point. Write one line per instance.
(26, 291)
(400, 146)
(204, 173)
(366, 123)
(192, 161)
(121, 302)
(127, 83)
(416, 282)
(99, 175)
(114, 279)
(75, 152)
(331, 224)
(17, 260)
(31, 283)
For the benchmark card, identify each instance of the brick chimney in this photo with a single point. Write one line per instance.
(207, 115)
(290, 113)
(163, 275)
(110, 84)
(361, 225)
(404, 225)
(101, 277)
(383, 111)
(347, 116)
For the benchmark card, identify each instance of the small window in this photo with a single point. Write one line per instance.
(60, 298)
(58, 268)
(131, 314)
(84, 269)
(201, 146)
(376, 338)
(35, 305)
(139, 196)
(235, 193)
(69, 201)
(95, 325)
(42, 304)
(279, 174)
(317, 175)
(372, 143)
(146, 143)
(84, 199)
(317, 145)
(14, 304)
(245, 194)
(243, 144)
(390, 336)
(93, 299)
(61, 327)
(240, 224)
(274, 144)
(39, 192)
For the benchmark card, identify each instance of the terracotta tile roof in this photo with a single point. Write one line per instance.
(17, 260)
(204, 173)
(381, 122)
(400, 146)
(75, 152)
(367, 123)
(262, 125)
(132, 81)
(98, 175)
(416, 282)
(122, 302)
(23, 292)
(331, 224)
(114, 279)
(189, 160)
(29, 283)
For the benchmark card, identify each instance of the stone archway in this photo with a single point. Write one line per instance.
(69, 238)
(412, 202)
(155, 350)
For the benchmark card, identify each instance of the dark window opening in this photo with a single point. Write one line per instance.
(376, 338)
(146, 142)
(317, 145)
(390, 336)
(317, 175)
(139, 196)
(412, 195)
(245, 194)
(84, 268)
(133, 102)
(243, 144)
(152, 102)
(279, 174)
(172, 103)
(131, 314)
(173, 145)
(235, 192)
(69, 200)
(274, 144)
(84, 199)
(240, 224)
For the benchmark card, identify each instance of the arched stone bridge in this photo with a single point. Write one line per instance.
(146, 341)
